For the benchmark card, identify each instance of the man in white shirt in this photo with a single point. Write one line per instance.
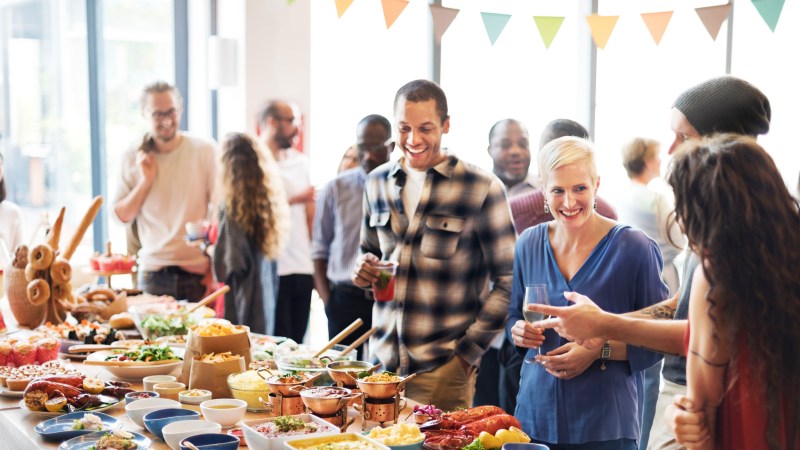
(276, 128)
(166, 181)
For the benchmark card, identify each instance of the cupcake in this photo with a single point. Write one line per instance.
(47, 350)
(24, 353)
(5, 353)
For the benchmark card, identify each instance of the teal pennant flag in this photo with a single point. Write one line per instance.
(494, 23)
(770, 11)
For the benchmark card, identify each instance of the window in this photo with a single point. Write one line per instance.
(45, 117)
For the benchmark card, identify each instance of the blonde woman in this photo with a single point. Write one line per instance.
(253, 216)
(573, 398)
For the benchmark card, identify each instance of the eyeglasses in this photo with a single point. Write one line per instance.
(161, 115)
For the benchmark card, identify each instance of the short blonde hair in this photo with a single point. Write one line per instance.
(564, 151)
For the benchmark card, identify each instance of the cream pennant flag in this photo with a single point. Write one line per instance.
(770, 11)
(601, 27)
(442, 18)
(548, 27)
(657, 23)
(342, 5)
(495, 24)
(392, 10)
(712, 18)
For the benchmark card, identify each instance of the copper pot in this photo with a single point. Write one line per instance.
(276, 386)
(384, 389)
(326, 399)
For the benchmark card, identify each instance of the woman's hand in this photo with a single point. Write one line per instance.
(689, 426)
(526, 335)
(568, 361)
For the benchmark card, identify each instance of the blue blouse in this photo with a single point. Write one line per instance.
(622, 274)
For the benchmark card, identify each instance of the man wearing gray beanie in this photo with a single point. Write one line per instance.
(720, 105)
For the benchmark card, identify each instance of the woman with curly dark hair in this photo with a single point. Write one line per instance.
(743, 372)
(253, 217)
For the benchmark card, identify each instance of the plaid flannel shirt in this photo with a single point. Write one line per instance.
(459, 241)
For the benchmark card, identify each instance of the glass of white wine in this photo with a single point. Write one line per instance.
(534, 294)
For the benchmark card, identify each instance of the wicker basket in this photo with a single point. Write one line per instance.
(26, 314)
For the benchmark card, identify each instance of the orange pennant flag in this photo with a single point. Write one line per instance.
(601, 27)
(712, 18)
(342, 5)
(657, 23)
(392, 10)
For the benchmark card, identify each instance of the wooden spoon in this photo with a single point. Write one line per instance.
(359, 341)
(338, 338)
(207, 300)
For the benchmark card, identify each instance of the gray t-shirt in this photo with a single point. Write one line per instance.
(675, 366)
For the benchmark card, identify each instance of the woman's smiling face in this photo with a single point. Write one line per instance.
(570, 193)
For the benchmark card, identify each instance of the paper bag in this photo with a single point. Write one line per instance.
(197, 346)
(213, 376)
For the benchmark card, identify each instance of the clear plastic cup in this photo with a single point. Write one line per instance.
(383, 289)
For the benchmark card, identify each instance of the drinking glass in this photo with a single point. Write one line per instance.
(536, 293)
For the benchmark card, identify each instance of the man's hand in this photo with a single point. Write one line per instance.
(148, 166)
(526, 335)
(690, 427)
(584, 322)
(364, 274)
(307, 196)
(568, 361)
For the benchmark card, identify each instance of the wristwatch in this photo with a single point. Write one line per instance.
(605, 354)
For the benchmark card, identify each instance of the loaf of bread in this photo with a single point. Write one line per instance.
(121, 321)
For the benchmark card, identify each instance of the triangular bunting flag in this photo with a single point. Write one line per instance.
(770, 11)
(712, 18)
(392, 10)
(494, 23)
(657, 23)
(342, 5)
(601, 27)
(548, 27)
(442, 18)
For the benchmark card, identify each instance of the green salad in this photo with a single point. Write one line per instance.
(146, 353)
(159, 325)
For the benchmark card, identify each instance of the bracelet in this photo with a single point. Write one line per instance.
(605, 354)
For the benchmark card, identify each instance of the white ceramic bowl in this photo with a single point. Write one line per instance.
(227, 417)
(258, 441)
(176, 431)
(137, 410)
(137, 372)
(152, 380)
(186, 399)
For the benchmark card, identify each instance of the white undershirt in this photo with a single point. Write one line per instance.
(412, 191)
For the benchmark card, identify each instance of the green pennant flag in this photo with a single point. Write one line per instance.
(770, 11)
(494, 23)
(548, 27)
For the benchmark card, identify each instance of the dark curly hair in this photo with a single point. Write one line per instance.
(744, 225)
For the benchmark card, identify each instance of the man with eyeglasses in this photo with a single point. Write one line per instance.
(337, 228)
(276, 126)
(166, 181)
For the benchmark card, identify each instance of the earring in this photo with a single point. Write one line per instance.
(546, 208)
(595, 204)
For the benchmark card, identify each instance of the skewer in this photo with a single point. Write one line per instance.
(338, 338)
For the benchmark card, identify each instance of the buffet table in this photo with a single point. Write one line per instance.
(17, 424)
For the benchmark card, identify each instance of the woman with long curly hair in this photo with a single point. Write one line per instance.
(253, 218)
(743, 369)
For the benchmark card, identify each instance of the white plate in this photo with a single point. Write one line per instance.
(6, 392)
(137, 372)
(58, 413)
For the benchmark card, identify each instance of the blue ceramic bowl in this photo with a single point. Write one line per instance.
(133, 396)
(155, 421)
(414, 446)
(519, 446)
(212, 441)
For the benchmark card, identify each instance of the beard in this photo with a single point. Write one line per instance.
(284, 142)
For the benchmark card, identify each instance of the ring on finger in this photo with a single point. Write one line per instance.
(564, 372)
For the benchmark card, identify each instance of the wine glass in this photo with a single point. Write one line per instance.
(537, 294)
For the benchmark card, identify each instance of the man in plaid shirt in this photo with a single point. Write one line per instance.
(447, 224)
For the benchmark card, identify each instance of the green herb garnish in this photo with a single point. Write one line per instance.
(384, 278)
(288, 423)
